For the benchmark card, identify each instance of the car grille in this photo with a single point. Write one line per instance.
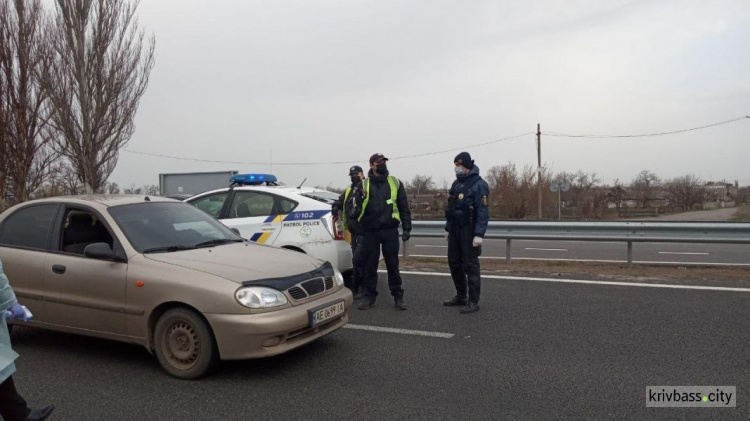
(314, 286)
(297, 293)
(310, 288)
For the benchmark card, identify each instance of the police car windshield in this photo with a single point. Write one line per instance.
(322, 196)
(169, 226)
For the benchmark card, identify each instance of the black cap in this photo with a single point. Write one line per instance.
(377, 157)
(465, 160)
(355, 170)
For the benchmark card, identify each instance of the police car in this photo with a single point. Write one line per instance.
(294, 218)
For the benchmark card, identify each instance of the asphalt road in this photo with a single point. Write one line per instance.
(724, 254)
(536, 350)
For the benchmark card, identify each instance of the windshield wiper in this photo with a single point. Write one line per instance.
(218, 242)
(167, 249)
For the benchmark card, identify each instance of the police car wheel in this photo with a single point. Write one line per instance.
(184, 344)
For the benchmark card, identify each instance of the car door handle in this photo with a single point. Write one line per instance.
(58, 269)
(267, 227)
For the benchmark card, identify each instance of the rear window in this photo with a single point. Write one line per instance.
(29, 227)
(323, 196)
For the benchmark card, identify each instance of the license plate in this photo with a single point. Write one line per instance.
(326, 312)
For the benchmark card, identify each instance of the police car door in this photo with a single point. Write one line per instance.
(253, 214)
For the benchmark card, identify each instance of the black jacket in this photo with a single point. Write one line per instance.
(468, 201)
(352, 225)
(378, 214)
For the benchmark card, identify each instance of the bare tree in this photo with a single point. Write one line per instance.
(685, 191)
(420, 184)
(100, 70)
(27, 150)
(644, 186)
(617, 194)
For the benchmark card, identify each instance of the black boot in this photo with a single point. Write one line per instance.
(399, 302)
(367, 304)
(471, 307)
(40, 414)
(455, 302)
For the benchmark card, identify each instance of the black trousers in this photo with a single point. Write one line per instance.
(463, 260)
(12, 406)
(357, 265)
(372, 242)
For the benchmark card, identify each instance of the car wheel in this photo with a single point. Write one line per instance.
(184, 344)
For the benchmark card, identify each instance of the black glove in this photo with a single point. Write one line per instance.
(406, 235)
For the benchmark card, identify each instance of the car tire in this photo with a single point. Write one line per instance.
(184, 344)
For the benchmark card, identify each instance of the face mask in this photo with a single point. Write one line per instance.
(382, 169)
(459, 171)
(355, 179)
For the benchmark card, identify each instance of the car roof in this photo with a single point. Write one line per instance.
(105, 200)
(289, 190)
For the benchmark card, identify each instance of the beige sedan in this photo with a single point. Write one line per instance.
(165, 275)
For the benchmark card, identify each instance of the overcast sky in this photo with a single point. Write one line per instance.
(336, 81)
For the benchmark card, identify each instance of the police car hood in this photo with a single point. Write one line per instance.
(241, 262)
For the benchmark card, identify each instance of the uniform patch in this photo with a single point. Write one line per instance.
(484, 200)
(460, 196)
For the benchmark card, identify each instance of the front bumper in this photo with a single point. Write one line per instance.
(243, 336)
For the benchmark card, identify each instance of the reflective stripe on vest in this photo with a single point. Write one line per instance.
(393, 183)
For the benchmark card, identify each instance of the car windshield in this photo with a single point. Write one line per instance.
(166, 226)
(322, 196)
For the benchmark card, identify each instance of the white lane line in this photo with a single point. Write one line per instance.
(645, 262)
(683, 253)
(400, 331)
(439, 247)
(579, 281)
(538, 249)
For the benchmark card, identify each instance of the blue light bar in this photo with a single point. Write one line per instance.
(253, 179)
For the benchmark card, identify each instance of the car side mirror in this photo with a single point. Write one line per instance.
(100, 251)
(236, 231)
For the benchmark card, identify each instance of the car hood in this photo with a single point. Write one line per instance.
(241, 262)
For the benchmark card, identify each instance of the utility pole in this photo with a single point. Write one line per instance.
(539, 165)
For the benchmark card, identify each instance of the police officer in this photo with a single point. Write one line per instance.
(380, 204)
(466, 217)
(356, 174)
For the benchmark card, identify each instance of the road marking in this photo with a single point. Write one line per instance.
(440, 247)
(580, 281)
(538, 249)
(684, 253)
(400, 331)
(644, 262)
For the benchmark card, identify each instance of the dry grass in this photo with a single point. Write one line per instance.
(743, 214)
(688, 275)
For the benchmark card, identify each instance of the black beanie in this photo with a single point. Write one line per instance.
(464, 159)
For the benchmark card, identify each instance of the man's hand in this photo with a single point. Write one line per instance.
(477, 242)
(446, 235)
(406, 235)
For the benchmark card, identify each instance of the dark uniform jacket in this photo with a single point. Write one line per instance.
(468, 202)
(378, 214)
(352, 225)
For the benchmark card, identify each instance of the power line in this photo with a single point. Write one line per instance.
(323, 163)
(603, 136)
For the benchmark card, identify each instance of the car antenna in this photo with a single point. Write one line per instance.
(303, 182)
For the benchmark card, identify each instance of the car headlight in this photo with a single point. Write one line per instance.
(338, 277)
(260, 297)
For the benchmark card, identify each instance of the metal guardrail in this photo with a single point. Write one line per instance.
(629, 232)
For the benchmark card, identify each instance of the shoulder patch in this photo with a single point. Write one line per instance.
(485, 200)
